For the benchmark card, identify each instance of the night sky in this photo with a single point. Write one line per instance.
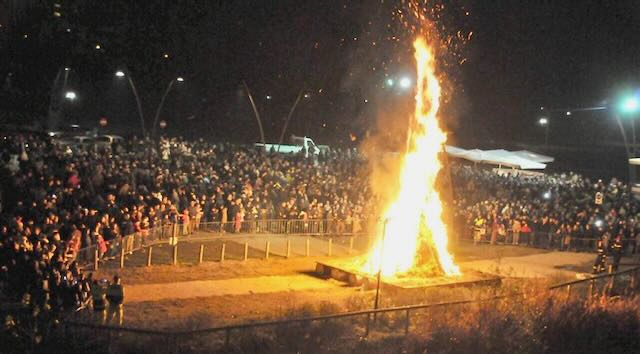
(504, 60)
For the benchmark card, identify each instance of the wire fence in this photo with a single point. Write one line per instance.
(385, 321)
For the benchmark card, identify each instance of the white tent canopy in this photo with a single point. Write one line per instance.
(530, 155)
(501, 157)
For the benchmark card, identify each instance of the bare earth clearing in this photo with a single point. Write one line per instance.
(214, 293)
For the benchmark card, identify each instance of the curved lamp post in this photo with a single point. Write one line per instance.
(121, 74)
(159, 109)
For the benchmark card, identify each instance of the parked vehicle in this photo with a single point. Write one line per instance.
(76, 142)
(298, 145)
(107, 141)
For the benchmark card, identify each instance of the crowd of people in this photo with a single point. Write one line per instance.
(58, 199)
(557, 211)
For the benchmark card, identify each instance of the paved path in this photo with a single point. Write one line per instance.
(531, 266)
(535, 265)
(237, 286)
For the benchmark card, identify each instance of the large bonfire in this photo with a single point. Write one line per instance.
(412, 235)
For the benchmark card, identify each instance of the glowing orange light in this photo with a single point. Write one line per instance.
(413, 221)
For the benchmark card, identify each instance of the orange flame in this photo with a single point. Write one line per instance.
(414, 218)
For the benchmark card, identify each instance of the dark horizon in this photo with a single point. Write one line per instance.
(520, 57)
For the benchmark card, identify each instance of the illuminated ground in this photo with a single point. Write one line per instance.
(216, 293)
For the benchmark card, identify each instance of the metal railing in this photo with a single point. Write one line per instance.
(287, 226)
(92, 256)
(362, 323)
(543, 240)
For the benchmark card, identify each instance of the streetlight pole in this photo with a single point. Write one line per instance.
(544, 122)
(161, 104)
(121, 74)
(376, 301)
(286, 122)
(255, 111)
(54, 95)
(546, 135)
(628, 149)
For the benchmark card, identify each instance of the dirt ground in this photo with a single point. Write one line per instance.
(212, 311)
(207, 311)
(254, 267)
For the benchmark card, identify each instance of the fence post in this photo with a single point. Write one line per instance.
(590, 290)
(351, 245)
(266, 249)
(96, 259)
(288, 248)
(632, 281)
(224, 245)
(227, 337)
(568, 292)
(175, 254)
(330, 244)
(307, 247)
(149, 256)
(201, 254)
(174, 345)
(121, 256)
(246, 250)
(612, 282)
(406, 323)
(366, 332)
(109, 344)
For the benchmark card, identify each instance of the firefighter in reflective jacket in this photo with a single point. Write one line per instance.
(601, 259)
(616, 251)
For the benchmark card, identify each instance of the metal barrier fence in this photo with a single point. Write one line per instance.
(394, 320)
(93, 255)
(544, 240)
(287, 226)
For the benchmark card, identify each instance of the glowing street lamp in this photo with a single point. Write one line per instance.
(390, 82)
(630, 105)
(70, 95)
(543, 121)
(119, 73)
(405, 82)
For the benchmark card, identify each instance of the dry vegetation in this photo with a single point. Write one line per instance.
(541, 322)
